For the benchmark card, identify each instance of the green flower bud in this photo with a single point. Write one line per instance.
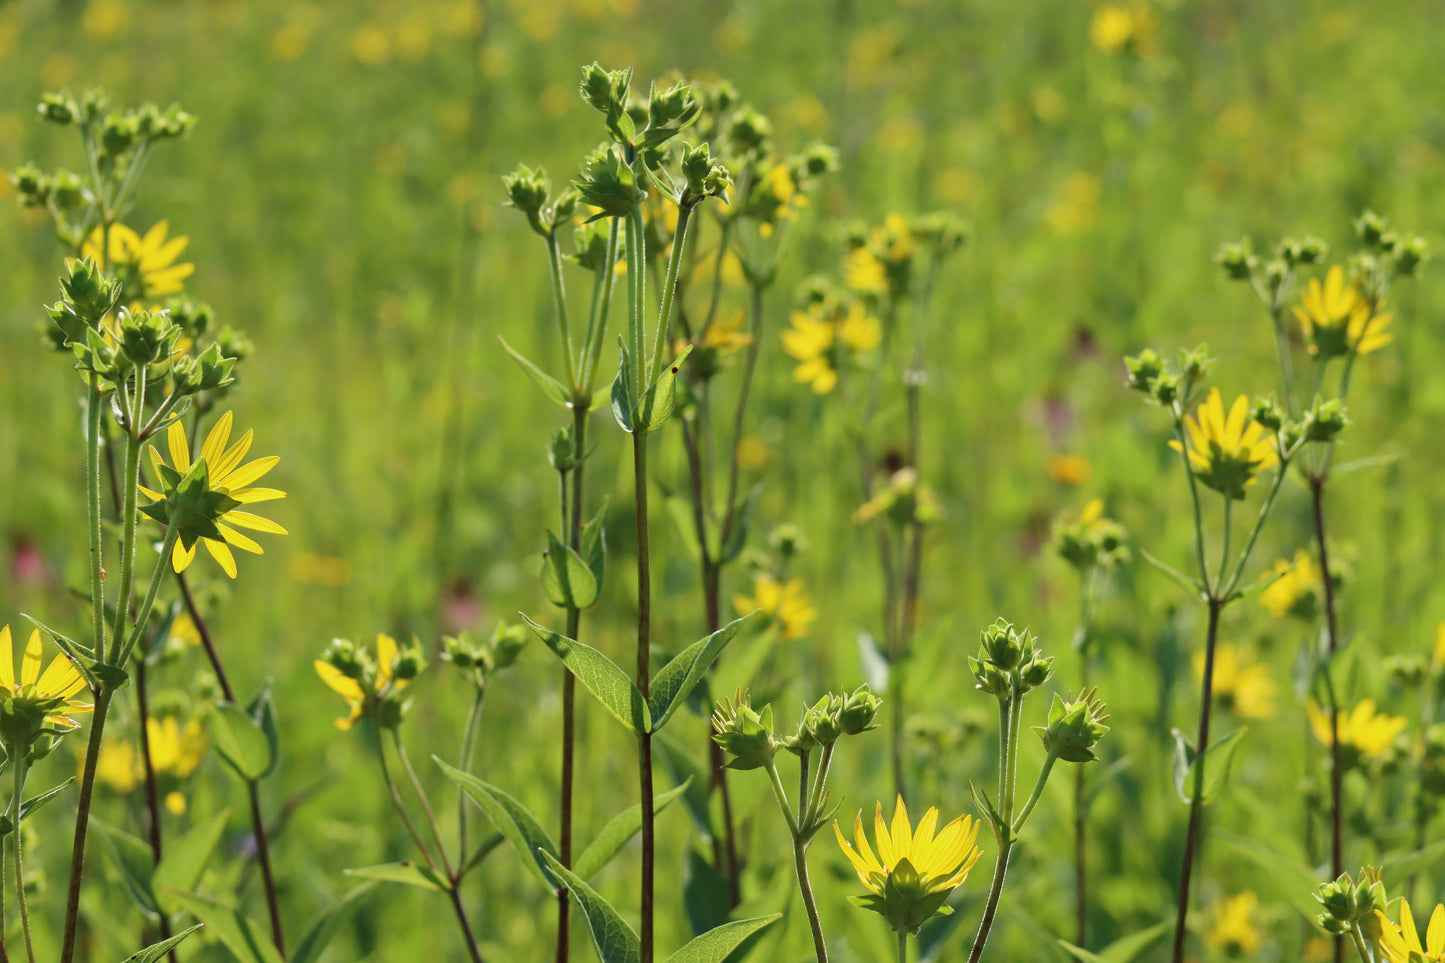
(705, 177)
(119, 134)
(1074, 727)
(390, 712)
(1195, 363)
(1309, 250)
(1406, 671)
(506, 644)
(1001, 646)
(941, 230)
(1038, 671)
(58, 108)
(1237, 260)
(749, 130)
(1325, 420)
(1347, 902)
(87, 294)
(668, 112)
(463, 652)
(815, 161)
(744, 735)
(605, 90)
(990, 678)
(31, 184)
(409, 663)
(716, 98)
(93, 105)
(560, 451)
(859, 711)
(822, 722)
(527, 191)
(1167, 388)
(146, 338)
(1144, 369)
(154, 124)
(1409, 254)
(607, 182)
(788, 541)
(1267, 412)
(1371, 228)
(351, 661)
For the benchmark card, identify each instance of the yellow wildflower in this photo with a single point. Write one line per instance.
(810, 341)
(1232, 928)
(1402, 945)
(1067, 469)
(1076, 211)
(1226, 453)
(226, 476)
(785, 603)
(1338, 320)
(175, 752)
(1246, 687)
(376, 684)
(863, 271)
(859, 330)
(1295, 590)
(146, 265)
(727, 336)
(1117, 27)
(915, 869)
(36, 702)
(1364, 730)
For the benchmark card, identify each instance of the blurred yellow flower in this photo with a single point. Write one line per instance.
(1338, 320)
(1365, 730)
(104, 19)
(1402, 944)
(312, 569)
(370, 45)
(753, 453)
(785, 603)
(1232, 928)
(146, 265)
(183, 629)
(225, 474)
(1226, 453)
(49, 693)
(1076, 211)
(863, 271)
(727, 336)
(1296, 588)
(1246, 687)
(351, 690)
(1068, 469)
(1117, 27)
(810, 340)
(883, 262)
(291, 42)
(176, 752)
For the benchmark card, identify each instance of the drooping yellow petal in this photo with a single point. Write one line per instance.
(215, 444)
(243, 476)
(386, 650)
(180, 450)
(861, 866)
(7, 659)
(30, 664)
(222, 554)
(240, 541)
(348, 687)
(182, 557)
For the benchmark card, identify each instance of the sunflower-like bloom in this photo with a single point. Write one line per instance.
(369, 686)
(1089, 538)
(818, 337)
(1245, 686)
(175, 752)
(38, 703)
(1296, 588)
(1338, 320)
(915, 869)
(146, 265)
(205, 509)
(1402, 945)
(1364, 732)
(883, 263)
(1226, 452)
(1232, 928)
(785, 603)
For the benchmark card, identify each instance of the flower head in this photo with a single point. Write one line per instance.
(1295, 589)
(883, 262)
(823, 336)
(369, 685)
(1247, 687)
(1364, 732)
(786, 604)
(1339, 320)
(915, 869)
(1232, 928)
(1090, 538)
(1402, 945)
(37, 703)
(175, 753)
(202, 499)
(1117, 27)
(1226, 452)
(146, 265)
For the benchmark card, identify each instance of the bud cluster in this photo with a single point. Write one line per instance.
(1010, 663)
(1163, 383)
(529, 191)
(1348, 903)
(480, 660)
(747, 736)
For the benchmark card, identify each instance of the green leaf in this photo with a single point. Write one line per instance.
(262, 709)
(32, 804)
(324, 928)
(1288, 874)
(601, 676)
(185, 858)
(680, 510)
(511, 818)
(1218, 760)
(655, 406)
(246, 941)
(714, 945)
(622, 391)
(1122, 950)
(134, 863)
(617, 832)
(1401, 868)
(616, 942)
(403, 872)
(676, 679)
(566, 578)
(240, 741)
(745, 660)
(483, 850)
(80, 655)
(594, 545)
(1192, 586)
(986, 809)
(157, 951)
(550, 386)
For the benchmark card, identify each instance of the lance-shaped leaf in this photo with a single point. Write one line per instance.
(405, 872)
(1122, 950)
(241, 742)
(594, 545)
(157, 951)
(550, 386)
(324, 927)
(1217, 761)
(247, 942)
(617, 832)
(601, 676)
(715, 945)
(32, 804)
(512, 819)
(621, 394)
(616, 941)
(185, 859)
(83, 658)
(655, 406)
(134, 863)
(566, 577)
(676, 679)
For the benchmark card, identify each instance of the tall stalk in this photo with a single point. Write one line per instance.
(1337, 859)
(644, 675)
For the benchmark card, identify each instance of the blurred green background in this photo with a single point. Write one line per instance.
(342, 199)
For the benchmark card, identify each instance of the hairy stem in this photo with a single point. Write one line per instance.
(1337, 859)
(644, 673)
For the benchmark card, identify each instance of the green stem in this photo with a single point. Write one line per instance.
(263, 858)
(1359, 942)
(644, 672)
(902, 946)
(469, 743)
(1317, 499)
(636, 292)
(1264, 513)
(18, 766)
(669, 293)
(818, 793)
(600, 309)
(436, 831)
(995, 891)
(92, 507)
(781, 795)
(1224, 546)
(569, 688)
(559, 299)
(395, 795)
(1194, 498)
(800, 863)
(127, 543)
(163, 565)
(82, 825)
(1033, 800)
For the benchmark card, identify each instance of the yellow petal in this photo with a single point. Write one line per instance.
(886, 854)
(61, 678)
(1407, 928)
(180, 451)
(247, 496)
(225, 464)
(222, 555)
(1435, 936)
(860, 865)
(30, 663)
(182, 557)
(164, 255)
(1238, 418)
(155, 237)
(7, 659)
(235, 538)
(216, 443)
(243, 476)
(348, 687)
(901, 835)
(254, 522)
(385, 655)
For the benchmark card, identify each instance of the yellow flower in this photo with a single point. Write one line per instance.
(859, 331)
(727, 336)
(1117, 27)
(1295, 589)
(1338, 320)
(1367, 732)
(227, 476)
(146, 265)
(1068, 469)
(785, 603)
(1077, 210)
(1226, 453)
(175, 754)
(1232, 927)
(1245, 686)
(357, 696)
(38, 702)
(1402, 945)
(883, 263)
(915, 869)
(1439, 656)
(863, 271)
(810, 340)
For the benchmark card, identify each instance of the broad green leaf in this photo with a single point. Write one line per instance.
(32, 804)
(1217, 762)
(134, 863)
(622, 392)
(241, 743)
(705, 896)
(714, 945)
(157, 951)
(601, 676)
(550, 386)
(676, 679)
(1122, 950)
(247, 942)
(594, 545)
(616, 942)
(262, 709)
(511, 818)
(185, 858)
(321, 931)
(566, 578)
(617, 832)
(403, 872)
(656, 404)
